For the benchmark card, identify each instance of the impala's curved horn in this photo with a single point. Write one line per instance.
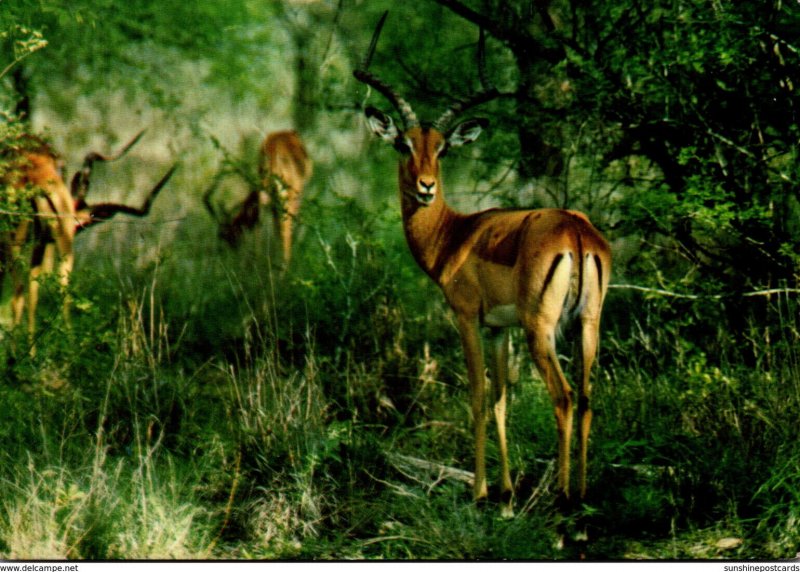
(220, 216)
(101, 212)
(374, 41)
(80, 181)
(487, 93)
(407, 114)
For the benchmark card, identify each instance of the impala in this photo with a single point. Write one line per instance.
(284, 168)
(538, 269)
(58, 215)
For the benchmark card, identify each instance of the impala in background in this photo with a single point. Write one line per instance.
(284, 169)
(58, 215)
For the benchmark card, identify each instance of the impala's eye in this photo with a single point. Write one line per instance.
(443, 151)
(402, 146)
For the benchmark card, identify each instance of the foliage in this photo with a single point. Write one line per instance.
(702, 92)
(12, 200)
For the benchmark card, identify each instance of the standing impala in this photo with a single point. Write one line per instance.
(537, 269)
(284, 167)
(58, 215)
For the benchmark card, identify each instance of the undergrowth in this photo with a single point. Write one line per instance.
(328, 419)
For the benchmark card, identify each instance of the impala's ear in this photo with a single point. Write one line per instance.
(466, 132)
(381, 124)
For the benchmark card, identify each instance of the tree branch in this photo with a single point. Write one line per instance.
(472, 16)
(670, 294)
(513, 33)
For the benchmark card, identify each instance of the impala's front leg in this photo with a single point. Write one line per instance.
(41, 265)
(64, 271)
(64, 240)
(18, 277)
(473, 352)
(499, 365)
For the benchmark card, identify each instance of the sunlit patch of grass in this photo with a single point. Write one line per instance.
(101, 512)
(30, 528)
(276, 527)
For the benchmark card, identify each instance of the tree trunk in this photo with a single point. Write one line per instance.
(539, 129)
(306, 80)
(22, 109)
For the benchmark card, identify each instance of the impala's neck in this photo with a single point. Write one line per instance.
(428, 227)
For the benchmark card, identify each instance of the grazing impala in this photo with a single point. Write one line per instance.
(537, 269)
(284, 168)
(58, 215)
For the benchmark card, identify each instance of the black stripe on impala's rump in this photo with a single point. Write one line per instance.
(599, 273)
(551, 272)
(581, 268)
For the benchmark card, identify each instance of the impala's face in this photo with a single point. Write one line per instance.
(421, 149)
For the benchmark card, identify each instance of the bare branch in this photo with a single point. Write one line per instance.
(668, 293)
(406, 463)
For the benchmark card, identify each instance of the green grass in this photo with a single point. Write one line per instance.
(201, 408)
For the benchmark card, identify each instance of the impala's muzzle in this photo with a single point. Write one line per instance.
(426, 191)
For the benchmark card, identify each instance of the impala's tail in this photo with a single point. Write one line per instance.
(591, 280)
(577, 278)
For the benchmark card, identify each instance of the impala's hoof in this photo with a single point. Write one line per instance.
(507, 504)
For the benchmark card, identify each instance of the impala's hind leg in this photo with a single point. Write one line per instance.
(540, 321)
(543, 351)
(589, 329)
